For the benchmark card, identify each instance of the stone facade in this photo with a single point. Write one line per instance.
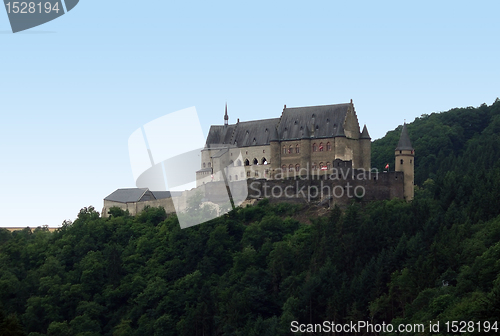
(307, 137)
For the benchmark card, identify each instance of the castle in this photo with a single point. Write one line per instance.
(302, 142)
(306, 148)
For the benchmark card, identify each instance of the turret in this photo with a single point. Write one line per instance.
(365, 146)
(226, 117)
(405, 156)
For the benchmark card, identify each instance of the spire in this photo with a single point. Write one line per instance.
(274, 135)
(364, 134)
(404, 140)
(226, 117)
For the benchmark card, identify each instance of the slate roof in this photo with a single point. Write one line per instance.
(131, 195)
(404, 140)
(126, 195)
(243, 134)
(165, 194)
(364, 134)
(325, 121)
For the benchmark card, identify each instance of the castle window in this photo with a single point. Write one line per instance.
(247, 163)
(400, 152)
(328, 146)
(283, 168)
(411, 161)
(266, 173)
(255, 161)
(315, 148)
(204, 164)
(256, 174)
(401, 161)
(230, 178)
(297, 167)
(320, 146)
(264, 161)
(328, 165)
(231, 163)
(209, 165)
(284, 149)
(313, 166)
(248, 173)
(321, 165)
(236, 177)
(290, 150)
(290, 168)
(297, 149)
(238, 163)
(263, 151)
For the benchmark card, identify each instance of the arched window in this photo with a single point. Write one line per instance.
(283, 168)
(315, 148)
(328, 146)
(247, 163)
(256, 173)
(320, 146)
(230, 178)
(284, 149)
(401, 161)
(209, 165)
(264, 161)
(313, 166)
(321, 165)
(290, 168)
(297, 167)
(236, 177)
(290, 150)
(255, 161)
(248, 173)
(204, 164)
(328, 166)
(297, 149)
(238, 163)
(231, 163)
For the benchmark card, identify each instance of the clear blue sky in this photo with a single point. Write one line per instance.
(73, 90)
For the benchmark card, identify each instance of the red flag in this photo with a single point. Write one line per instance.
(387, 166)
(324, 168)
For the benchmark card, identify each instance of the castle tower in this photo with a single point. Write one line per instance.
(365, 145)
(405, 156)
(226, 117)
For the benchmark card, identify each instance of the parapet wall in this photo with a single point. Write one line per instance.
(339, 189)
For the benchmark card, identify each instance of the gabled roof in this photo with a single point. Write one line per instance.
(404, 140)
(243, 134)
(325, 121)
(126, 195)
(165, 194)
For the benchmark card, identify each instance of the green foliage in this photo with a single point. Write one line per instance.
(256, 269)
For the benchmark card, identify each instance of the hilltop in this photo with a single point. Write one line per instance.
(256, 269)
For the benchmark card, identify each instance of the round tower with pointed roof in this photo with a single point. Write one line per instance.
(405, 162)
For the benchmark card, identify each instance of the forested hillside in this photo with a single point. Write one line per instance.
(253, 271)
